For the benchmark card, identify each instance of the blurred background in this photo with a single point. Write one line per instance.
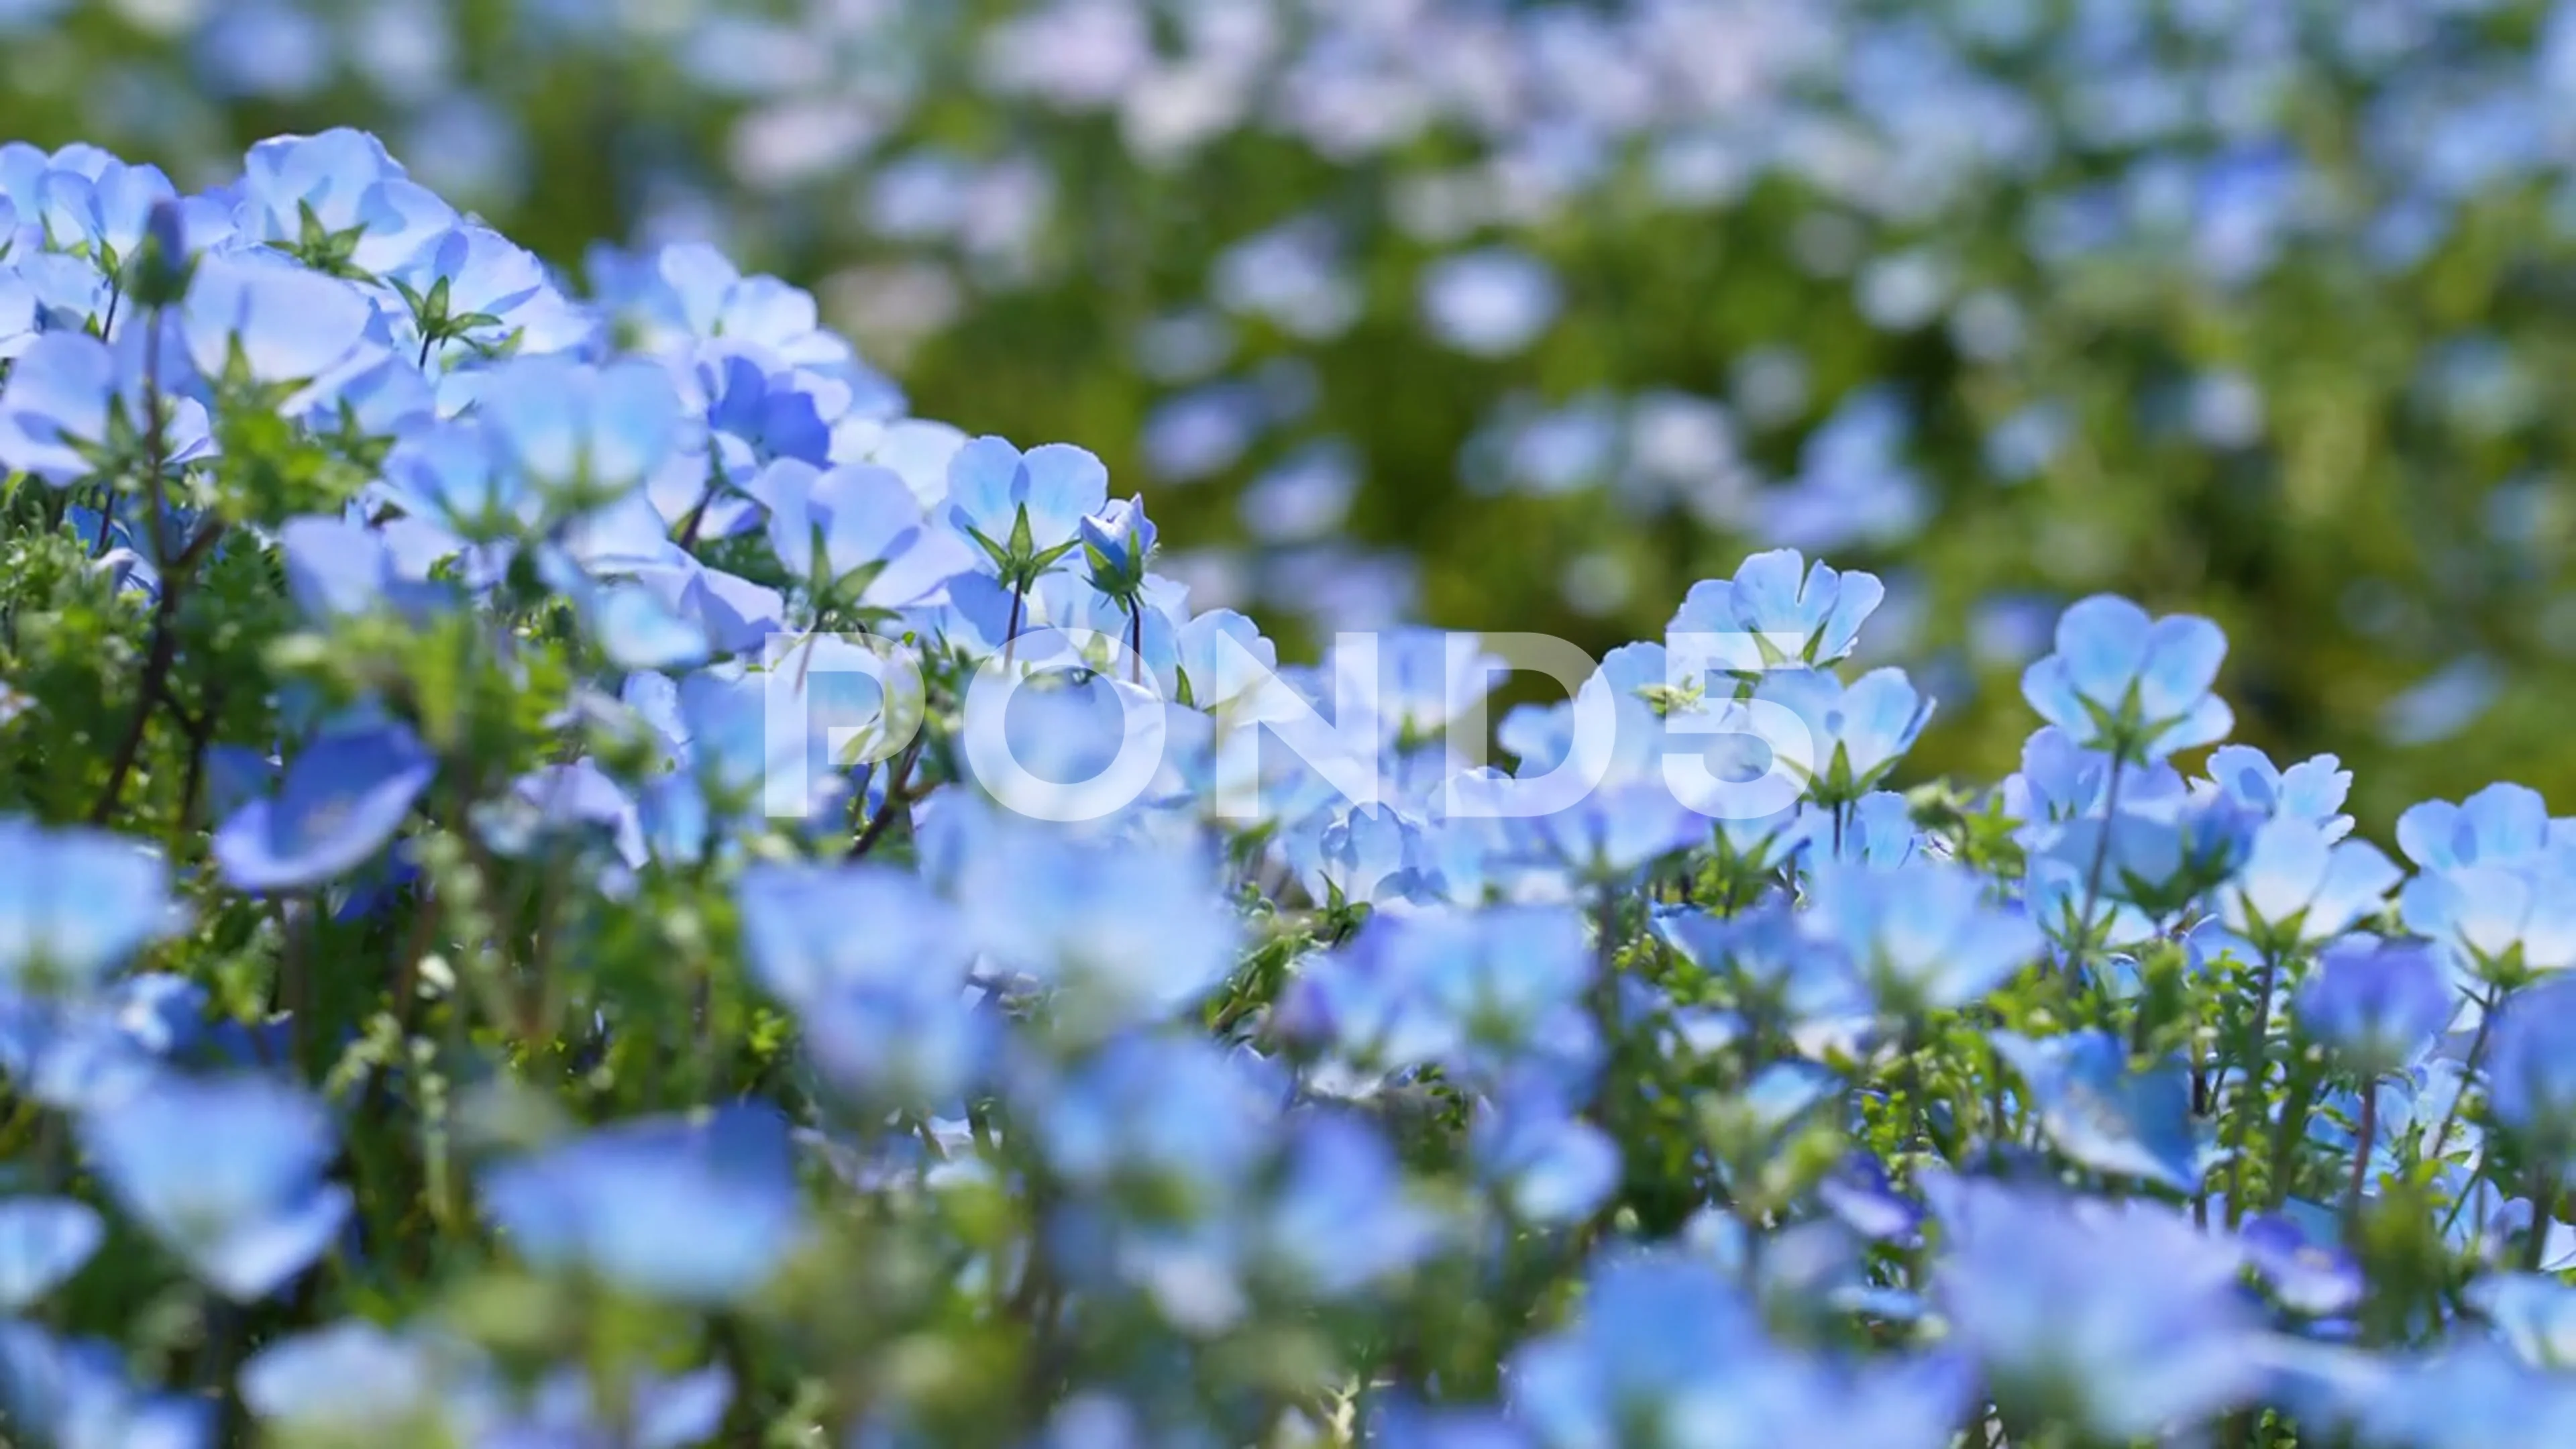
(1526, 316)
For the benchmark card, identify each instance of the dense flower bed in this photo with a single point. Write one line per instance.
(1432, 309)
(549, 896)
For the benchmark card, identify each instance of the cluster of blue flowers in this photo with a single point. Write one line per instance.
(492, 952)
(1995, 183)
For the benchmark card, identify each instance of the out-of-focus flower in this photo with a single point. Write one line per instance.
(227, 1173)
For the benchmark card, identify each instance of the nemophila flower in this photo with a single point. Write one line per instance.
(337, 201)
(2058, 780)
(338, 568)
(663, 1411)
(1778, 610)
(877, 550)
(2307, 1275)
(1492, 302)
(2496, 923)
(2102, 1114)
(1118, 541)
(1024, 511)
(2503, 824)
(1543, 1161)
(1169, 1125)
(78, 1394)
(74, 405)
(2377, 1005)
(1120, 931)
(43, 1242)
(1924, 937)
(101, 213)
(1877, 829)
(1861, 1196)
(1849, 737)
(1598, 841)
(1412, 681)
(2533, 1313)
(885, 1008)
(1343, 1216)
(343, 798)
(473, 292)
(75, 904)
(1782, 975)
(2130, 685)
(2119, 1321)
(226, 1172)
(690, 291)
(2312, 790)
(699, 1211)
(2531, 1065)
(1645, 1362)
(278, 322)
(2157, 855)
(754, 408)
(2299, 884)
(581, 434)
(1477, 992)
(353, 1378)
(1366, 854)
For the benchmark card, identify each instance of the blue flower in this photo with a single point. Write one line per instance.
(2130, 685)
(2309, 1277)
(1600, 840)
(336, 197)
(1778, 610)
(1121, 931)
(282, 323)
(1024, 509)
(337, 568)
(1491, 302)
(580, 435)
(2104, 1116)
(2496, 923)
(2503, 824)
(344, 797)
(1547, 1165)
(1118, 541)
(1477, 992)
(2531, 1064)
(77, 1394)
(2121, 1321)
(1659, 1336)
(885, 1010)
(43, 1242)
(74, 905)
(2378, 1005)
(692, 1211)
(103, 213)
(2159, 855)
(1923, 936)
(1174, 1122)
(1854, 734)
(2312, 790)
(353, 1378)
(1877, 829)
(71, 399)
(2298, 884)
(1343, 1217)
(473, 292)
(2534, 1313)
(878, 550)
(226, 1172)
